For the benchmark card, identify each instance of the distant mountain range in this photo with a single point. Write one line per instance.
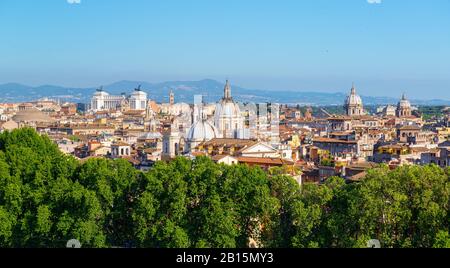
(185, 90)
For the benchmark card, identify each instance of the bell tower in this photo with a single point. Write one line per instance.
(171, 98)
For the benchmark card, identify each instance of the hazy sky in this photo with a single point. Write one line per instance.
(386, 48)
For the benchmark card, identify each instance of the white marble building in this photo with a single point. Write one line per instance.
(103, 101)
(138, 100)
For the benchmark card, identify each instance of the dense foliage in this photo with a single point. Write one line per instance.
(47, 198)
(430, 112)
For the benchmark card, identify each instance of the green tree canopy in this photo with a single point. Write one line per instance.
(48, 198)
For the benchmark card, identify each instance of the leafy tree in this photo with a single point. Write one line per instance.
(160, 214)
(287, 192)
(213, 221)
(114, 183)
(47, 198)
(248, 188)
(442, 240)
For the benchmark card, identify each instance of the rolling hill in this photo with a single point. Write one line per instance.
(185, 90)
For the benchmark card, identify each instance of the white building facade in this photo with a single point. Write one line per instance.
(138, 100)
(103, 101)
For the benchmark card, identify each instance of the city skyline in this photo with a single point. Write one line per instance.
(386, 48)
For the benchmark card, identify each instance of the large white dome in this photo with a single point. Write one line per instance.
(227, 109)
(202, 130)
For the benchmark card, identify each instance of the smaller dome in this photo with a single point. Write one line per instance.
(353, 99)
(202, 130)
(404, 103)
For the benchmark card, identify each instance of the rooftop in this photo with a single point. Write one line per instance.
(329, 140)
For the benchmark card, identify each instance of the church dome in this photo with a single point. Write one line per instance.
(404, 103)
(353, 99)
(202, 130)
(227, 117)
(227, 109)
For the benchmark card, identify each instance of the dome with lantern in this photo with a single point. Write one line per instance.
(404, 103)
(354, 104)
(404, 107)
(228, 118)
(353, 99)
(202, 130)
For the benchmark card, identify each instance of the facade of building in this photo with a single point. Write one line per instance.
(173, 143)
(438, 156)
(336, 147)
(69, 109)
(120, 149)
(138, 100)
(388, 110)
(103, 101)
(404, 107)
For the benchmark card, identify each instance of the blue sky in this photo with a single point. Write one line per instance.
(307, 45)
